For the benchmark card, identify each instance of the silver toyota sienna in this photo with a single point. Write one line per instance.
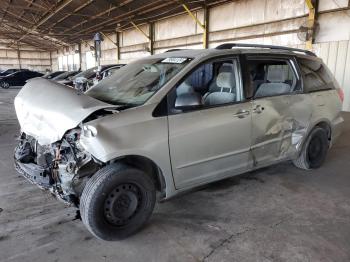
(173, 121)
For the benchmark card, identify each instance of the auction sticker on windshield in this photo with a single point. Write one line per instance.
(174, 60)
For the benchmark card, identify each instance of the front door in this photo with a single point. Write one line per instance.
(211, 139)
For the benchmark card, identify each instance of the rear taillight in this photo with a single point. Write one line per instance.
(341, 94)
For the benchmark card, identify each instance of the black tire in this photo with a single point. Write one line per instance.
(314, 151)
(4, 85)
(117, 201)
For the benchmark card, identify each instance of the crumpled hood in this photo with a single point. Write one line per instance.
(46, 109)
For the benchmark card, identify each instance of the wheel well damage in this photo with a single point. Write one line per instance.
(324, 125)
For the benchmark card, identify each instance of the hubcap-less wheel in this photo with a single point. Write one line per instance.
(314, 151)
(122, 204)
(117, 201)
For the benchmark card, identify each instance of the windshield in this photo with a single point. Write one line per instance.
(13, 74)
(135, 83)
(87, 73)
(7, 71)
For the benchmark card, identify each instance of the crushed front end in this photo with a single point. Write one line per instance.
(62, 167)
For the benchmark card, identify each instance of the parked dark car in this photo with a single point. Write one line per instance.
(10, 71)
(53, 74)
(18, 78)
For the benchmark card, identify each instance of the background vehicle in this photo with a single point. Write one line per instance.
(66, 78)
(174, 121)
(108, 72)
(84, 80)
(18, 78)
(53, 74)
(10, 71)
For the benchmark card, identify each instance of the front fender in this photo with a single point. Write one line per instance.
(131, 132)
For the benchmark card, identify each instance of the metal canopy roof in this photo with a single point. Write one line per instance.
(51, 24)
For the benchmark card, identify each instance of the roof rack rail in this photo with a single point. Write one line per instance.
(231, 45)
(174, 50)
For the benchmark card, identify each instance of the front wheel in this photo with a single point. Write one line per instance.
(117, 201)
(4, 84)
(314, 151)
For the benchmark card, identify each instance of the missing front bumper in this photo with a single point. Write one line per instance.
(34, 173)
(37, 175)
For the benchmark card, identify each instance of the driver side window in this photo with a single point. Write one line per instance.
(211, 84)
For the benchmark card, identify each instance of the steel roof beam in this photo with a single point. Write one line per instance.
(53, 11)
(129, 15)
(19, 18)
(25, 30)
(70, 14)
(23, 12)
(98, 15)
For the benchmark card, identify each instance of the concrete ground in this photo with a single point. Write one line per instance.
(276, 214)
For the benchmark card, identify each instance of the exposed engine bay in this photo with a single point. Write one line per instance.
(62, 167)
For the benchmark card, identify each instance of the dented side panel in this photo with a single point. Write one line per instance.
(279, 131)
(279, 127)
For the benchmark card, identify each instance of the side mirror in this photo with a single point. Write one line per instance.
(188, 101)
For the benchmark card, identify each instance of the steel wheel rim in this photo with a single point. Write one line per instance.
(122, 204)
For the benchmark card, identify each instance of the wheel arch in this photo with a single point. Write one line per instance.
(148, 166)
(326, 125)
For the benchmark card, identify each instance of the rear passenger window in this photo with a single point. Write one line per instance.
(271, 77)
(316, 75)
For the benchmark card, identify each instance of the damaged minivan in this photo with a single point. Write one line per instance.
(171, 122)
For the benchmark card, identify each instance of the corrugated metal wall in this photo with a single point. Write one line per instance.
(29, 59)
(253, 21)
(337, 56)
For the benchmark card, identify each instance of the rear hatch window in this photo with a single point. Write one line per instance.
(316, 75)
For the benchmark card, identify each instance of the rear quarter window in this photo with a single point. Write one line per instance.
(316, 75)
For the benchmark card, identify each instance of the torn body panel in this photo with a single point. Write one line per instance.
(60, 167)
(49, 153)
(278, 131)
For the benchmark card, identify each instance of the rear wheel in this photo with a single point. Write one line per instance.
(314, 151)
(117, 201)
(4, 84)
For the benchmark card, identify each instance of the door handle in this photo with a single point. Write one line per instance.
(242, 113)
(258, 109)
